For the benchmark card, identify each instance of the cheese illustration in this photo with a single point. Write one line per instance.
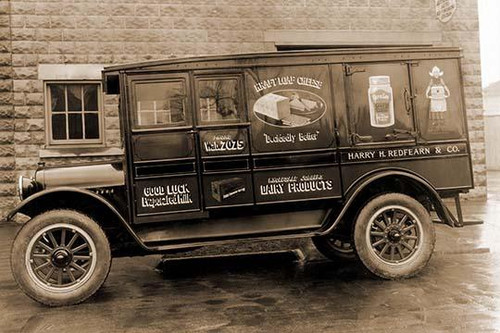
(273, 106)
(303, 105)
(295, 120)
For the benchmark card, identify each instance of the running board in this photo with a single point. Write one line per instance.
(190, 232)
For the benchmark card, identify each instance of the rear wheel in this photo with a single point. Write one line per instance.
(394, 236)
(335, 247)
(60, 257)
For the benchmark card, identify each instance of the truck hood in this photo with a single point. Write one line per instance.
(84, 176)
(81, 176)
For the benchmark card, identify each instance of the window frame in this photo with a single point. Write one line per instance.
(242, 116)
(160, 78)
(48, 115)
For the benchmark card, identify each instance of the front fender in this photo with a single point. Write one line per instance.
(44, 200)
(29, 205)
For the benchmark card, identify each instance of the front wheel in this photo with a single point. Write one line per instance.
(60, 257)
(394, 236)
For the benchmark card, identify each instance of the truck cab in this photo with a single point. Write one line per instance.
(352, 148)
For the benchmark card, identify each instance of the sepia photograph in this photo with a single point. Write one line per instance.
(264, 166)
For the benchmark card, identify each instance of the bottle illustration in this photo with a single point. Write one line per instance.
(381, 101)
(437, 92)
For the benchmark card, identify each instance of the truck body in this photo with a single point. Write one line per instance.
(271, 146)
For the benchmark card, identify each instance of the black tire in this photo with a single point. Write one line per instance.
(335, 248)
(60, 257)
(394, 236)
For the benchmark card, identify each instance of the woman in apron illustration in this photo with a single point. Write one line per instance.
(437, 92)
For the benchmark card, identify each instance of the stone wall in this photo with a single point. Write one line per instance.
(7, 147)
(112, 32)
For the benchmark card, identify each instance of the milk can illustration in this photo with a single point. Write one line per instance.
(437, 92)
(381, 101)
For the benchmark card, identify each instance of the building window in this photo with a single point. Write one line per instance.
(74, 113)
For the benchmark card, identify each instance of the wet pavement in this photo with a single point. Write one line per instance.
(459, 291)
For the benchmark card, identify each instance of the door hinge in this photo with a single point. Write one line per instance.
(350, 70)
(413, 63)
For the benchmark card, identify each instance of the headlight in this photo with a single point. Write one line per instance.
(25, 187)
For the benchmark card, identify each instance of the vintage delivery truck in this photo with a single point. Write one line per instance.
(354, 148)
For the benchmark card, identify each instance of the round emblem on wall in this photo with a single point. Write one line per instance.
(445, 9)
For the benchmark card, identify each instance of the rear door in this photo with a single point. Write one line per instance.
(162, 159)
(380, 118)
(379, 103)
(440, 111)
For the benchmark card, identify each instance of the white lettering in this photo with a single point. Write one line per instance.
(271, 189)
(286, 81)
(280, 138)
(310, 186)
(294, 184)
(158, 196)
(308, 136)
(266, 84)
(361, 155)
(309, 82)
(229, 145)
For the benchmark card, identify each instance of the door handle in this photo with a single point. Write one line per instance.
(407, 98)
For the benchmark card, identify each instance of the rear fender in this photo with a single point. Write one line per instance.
(355, 191)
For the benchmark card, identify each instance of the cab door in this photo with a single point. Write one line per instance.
(223, 131)
(162, 150)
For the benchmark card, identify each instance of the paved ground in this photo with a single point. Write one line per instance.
(458, 292)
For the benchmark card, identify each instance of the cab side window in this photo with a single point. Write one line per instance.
(160, 104)
(378, 97)
(219, 100)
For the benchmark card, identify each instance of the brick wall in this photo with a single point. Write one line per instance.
(463, 31)
(111, 32)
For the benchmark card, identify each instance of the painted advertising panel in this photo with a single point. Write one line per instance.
(228, 189)
(290, 108)
(379, 104)
(439, 106)
(297, 184)
(166, 195)
(224, 142)
(399, 153)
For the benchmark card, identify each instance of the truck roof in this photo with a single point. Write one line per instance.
(290, 58)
